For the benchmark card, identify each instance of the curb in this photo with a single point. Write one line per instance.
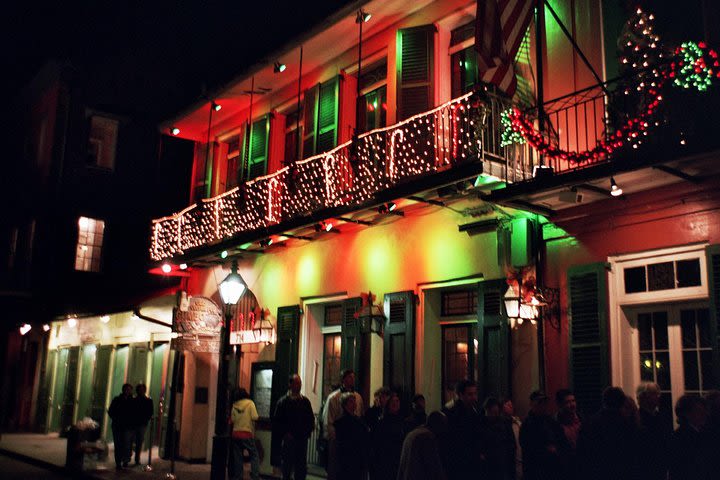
(47, 465)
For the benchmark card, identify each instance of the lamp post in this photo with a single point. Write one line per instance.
(231, 289)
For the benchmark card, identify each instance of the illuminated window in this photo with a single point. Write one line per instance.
(459, 351)
(102, 142)
(331, 362)
(373, 99)
(89, 245)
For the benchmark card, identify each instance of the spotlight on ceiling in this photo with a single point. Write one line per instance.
(166, 268)
(72, 322)
(183, 266)
(105, 318)
(25, 328)
(391, 206)
(615, 191)
(46, 327)
(362, 16)
(224, 254)
(216, 106)
(326, 226)
(175, 131)
(266, 242)
(279, 67)
(390, 209)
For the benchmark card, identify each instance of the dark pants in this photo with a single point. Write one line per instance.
(238, 445)
(294, 458)
(138, 436)
(121, 444)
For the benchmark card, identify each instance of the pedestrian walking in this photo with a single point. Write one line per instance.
(142, 413)
(243, 416)
(332, 411)
(387, 440)
(353, 440)
(294, 421)
(420, 457)
(121, 413)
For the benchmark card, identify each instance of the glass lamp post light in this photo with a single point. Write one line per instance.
(371, 318)
(264, 332)
(517, 310)
(231, 290)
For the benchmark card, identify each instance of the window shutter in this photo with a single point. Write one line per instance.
(589, 363)
(286, 362)
(68, 403)
(327, 118)
(310, 112)
(398, 344)
(102, 372)
(351, 341)
(493, 340)
(713, 268)
(258, 151)
(415, 70)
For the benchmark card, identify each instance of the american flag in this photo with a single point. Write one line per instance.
(500, 26)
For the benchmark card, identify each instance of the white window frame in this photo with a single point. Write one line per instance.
(84, 246)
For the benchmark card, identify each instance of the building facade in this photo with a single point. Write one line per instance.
(366, 164)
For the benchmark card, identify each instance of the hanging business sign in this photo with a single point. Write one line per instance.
(198, 327)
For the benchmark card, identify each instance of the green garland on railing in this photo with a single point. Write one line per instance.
(509, 135)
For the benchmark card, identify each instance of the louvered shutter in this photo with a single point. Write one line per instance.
(588, 329)
(100, 383)
(327, 118)
(258, 151)
(398, 344)
(713, 268)
(493, 340)
(286, 363)
(351, 346)
(415, 70)
(310, 112)
(68, 403)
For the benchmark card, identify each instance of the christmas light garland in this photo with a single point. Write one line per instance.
(690, 65)
(346, 175)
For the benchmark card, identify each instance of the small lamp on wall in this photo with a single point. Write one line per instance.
(371, 318)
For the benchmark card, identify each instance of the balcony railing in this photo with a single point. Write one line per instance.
(464, 130)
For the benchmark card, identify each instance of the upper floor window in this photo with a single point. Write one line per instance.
(320, 123)
(373, 98)
(89, 244)
(233, 162)
(292, 142)
(102, 142)
(463, 61)
(257, 148)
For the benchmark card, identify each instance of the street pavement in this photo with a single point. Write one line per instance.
(13, 469)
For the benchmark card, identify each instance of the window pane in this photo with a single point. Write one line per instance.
(644, 331)
(459, 302)
(661, 276)
(688, 273)
(703, 323)
(690, 365)
(333, 315)
(662, 370)
(687, 321)
(634, 279)
(708, 379)
(455, 358)
(660, 329)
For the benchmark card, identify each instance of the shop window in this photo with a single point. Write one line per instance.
(459, 352)
(102, 142)
(331, 363)
(89, 245)
(459, 302)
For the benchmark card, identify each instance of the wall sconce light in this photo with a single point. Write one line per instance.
(279, 67)
(362, 16)
(175, 131)
(216, 106)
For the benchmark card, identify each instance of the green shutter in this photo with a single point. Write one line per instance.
(44, 396)
(68, 403)
(286, 363)
(493, 340)
(414, 70)
(310, 112)
(351, 347)
(327, 116)
(588, 329)
(713, 268)
(398, 344)
(118, 377)
(168, 404)
(258, 148)
(59, 391)
(85, 393)
(100, 384)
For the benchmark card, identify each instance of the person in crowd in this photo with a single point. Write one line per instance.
(607, 445)
(712, 429)
(142, 414)
(352, 441)
(653, 434)
(463, 443)
(497, 442)
(420, 457)
(508, 410)
(417, 416)
(380, 399)
(689, 450)
(567, 415)
(294, 421)
(543, 442)
(332, 412)
(387, 440)
(121, 413)
(243, 416)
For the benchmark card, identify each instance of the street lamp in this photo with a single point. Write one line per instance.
(231, 289)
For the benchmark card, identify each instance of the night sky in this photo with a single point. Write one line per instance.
(151, 56)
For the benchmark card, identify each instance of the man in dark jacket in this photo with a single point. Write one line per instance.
(463, 439)
(121, 412)
(689, 453)
(294, 421)
(654, 434)
(142, 413)
(543, 442)
(420, 458)
(353, 441)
